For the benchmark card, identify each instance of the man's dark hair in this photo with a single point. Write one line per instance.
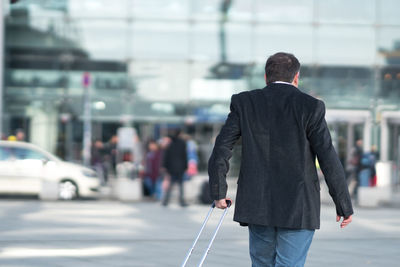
(281, 67)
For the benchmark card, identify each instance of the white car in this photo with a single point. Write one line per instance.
(25, 168)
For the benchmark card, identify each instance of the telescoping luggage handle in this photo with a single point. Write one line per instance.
(229, 203)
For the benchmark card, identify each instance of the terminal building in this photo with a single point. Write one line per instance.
(157, 64)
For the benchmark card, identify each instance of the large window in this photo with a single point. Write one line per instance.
(345, 45)
(298, 40)
(347, 12)
(187, 53)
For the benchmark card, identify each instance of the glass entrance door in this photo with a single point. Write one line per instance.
(394, 151)
(346, 127)
(394, 142)
(390, 143)
(344, 136)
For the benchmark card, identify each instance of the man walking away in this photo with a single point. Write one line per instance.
(283, 130)
(175, 163)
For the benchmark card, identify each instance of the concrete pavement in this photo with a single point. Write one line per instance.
(111, 233)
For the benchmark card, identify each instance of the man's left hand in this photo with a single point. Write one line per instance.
(345, 222)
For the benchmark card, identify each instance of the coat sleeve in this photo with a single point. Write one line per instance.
(321, 143)
(218, 164)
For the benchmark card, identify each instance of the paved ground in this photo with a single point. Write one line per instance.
(110, 233)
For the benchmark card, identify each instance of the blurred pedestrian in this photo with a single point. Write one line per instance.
(98, 161)
(152, 167)
(191, 148)
(278, 195)
(175, 163)
(375, 154)
(20, 135)
(112, 148)
(354, 167)
(367, 169)
(163, 143)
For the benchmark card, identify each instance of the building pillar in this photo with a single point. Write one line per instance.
(384, 153)
(43, 127)
(3, 11)
(350, 140)
(367, 134)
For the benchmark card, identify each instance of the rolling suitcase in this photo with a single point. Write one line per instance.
(228, 202)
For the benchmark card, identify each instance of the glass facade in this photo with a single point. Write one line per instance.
(154, 63)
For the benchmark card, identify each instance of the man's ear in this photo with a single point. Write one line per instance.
(296, 79)
(265, 78)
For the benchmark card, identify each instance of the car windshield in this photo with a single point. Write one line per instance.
(11, 153)
(6, 153)
(23, 153)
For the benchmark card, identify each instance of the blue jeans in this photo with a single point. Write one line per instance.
(278, 247)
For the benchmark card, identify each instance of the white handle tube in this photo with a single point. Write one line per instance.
(198, 236)
(212, 239)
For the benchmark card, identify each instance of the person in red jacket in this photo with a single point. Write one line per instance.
(152, 167)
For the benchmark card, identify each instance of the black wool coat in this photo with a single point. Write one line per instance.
(282, 130)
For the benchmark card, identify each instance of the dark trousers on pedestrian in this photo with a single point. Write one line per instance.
(175, 179)
(102, 172)
(278, 247)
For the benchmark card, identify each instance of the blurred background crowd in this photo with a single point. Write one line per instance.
(104, 82)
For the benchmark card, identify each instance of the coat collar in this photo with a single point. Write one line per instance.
(279, 86)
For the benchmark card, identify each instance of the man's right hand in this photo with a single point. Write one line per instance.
(221, 204)
(345, 222)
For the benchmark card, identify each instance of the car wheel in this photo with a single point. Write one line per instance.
(67, 190)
